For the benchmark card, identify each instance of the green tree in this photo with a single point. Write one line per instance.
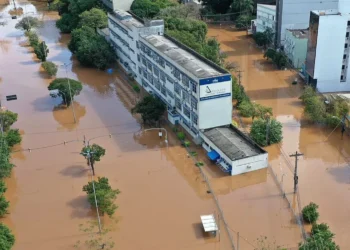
(258, 131)
(41, 51)
(13, 137)
(246, 6)
(4, 205)
(150, 8)
(96, 52)
(93, 153)
(79, 6)
(217, 6)
(80, 34)
(184, 11)
(3, 187)
(67, 22)
(280, 60)
(238, 92)
(315, 109)
(150, 108)
(64, 91)
(26, 23)
(50, 68)
(270, 54)
(322, 230)
(8, 118)
(6, 166)
(94, 18)
(319, 243)
(310, 213)
(307, 93)
(244, 21)
(105, 195)
(7, 239)
(33, 38)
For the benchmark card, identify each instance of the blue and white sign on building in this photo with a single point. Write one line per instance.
(213, 91)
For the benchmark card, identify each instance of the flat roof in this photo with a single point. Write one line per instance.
(272, 7)
(209, 223)
(127, 20)
(299, 33)
(185, 59)
(326, 12)
(233, 143)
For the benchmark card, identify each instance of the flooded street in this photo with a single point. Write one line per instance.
(324, 172)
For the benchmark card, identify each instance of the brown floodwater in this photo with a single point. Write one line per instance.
(324, 171)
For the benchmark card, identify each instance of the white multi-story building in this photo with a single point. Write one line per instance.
(295, 14)
(118, 4)
(196, 91)
(328, 49)
(265, 17)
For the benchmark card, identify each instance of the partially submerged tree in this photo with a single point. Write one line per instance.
(50, 68)
(7, 239)
(26, 23)
(67, 22)
(105, 195)
(13, 137)
(266, 131)
(244, 21)
(94, 18)
(253, 110)
(93, 153)
(310, 213)
(63, 89)
(151, 109)
(33, 38)
(41, 51)
(8, 118)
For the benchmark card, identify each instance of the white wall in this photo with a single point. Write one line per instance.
(249, 164)
(122, 4)
(344, 6)
(329, 53)
(296, 13)
(266, 17)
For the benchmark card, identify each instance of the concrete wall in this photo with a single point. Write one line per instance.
(122, 4)
(329, 53)
(296, 14)
(295, 49)
(266, 17)
(249, 164)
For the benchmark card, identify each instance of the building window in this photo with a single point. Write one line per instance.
(177, 89)
(144, 62)
(341, 78)
(347, 34)
(177, 74)
(140, 70)
(138, 58)
(170, 93)
(178, 103)
(169, 80)
(194, 119)
(157, 85)
(344, 56)
(137, 44)
(343, 67)
(185, 96)
(348, 23)
(163, 90)
(149, 65)
(346, 45)
(194, 103)
(187, 112)
(185, 81)
(194, 87)
(162, 76)
(156, 71)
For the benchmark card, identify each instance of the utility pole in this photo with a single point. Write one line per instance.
(239, 76)
(296, 169)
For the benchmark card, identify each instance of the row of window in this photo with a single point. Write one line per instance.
(125, 43)
(118, 26)
(186, 81)
(120, 49)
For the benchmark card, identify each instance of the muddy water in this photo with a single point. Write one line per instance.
(324, 172)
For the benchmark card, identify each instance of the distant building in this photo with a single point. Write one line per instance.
(295, 46)
(197, 92)
(118, 4)
(265, 17)
(328, 50)
(295, 14)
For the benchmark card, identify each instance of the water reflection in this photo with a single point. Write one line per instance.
(4, 45)
(64, 116)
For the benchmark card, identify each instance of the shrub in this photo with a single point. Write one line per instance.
(259, 129)
(307, 93)
(27, 23)
(8, 118)
(7, 239)
(187, 143)
(64, 91)
(41, 51)
(13, 137)
(33, 38)
(322, 230)
(105, 195)
(50, 68)
(136, 88)
(181, 136)
(3, 187)
(315, 109)
(4, 205)
(310, 213)
(243, 21)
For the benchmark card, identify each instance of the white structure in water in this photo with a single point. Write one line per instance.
(197, 92)
(327, 58)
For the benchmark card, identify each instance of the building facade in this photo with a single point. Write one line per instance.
(197, 92)
(118, 4)
(328, 51)
(265, 17)
(292, 14)
(295, 46)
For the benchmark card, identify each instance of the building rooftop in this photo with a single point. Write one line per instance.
(300, 33)
(271, 7)
(233, 142)
(185, 59)
(127, 20)
(326, 12)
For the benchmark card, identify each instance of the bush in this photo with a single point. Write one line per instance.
(8, 118)
(105, 195)
(307, 94)
(3, 187)
(41, 51)
(245, 108)
(322, 230)
(243, 21)
(50, 68)
(259, 129)
(13, 137)
(187, 143)
(27, 23)
(136, 88)
(4, 205)
(151, 109)
(315, 109)
(67, 22)
(5, 164)
(61, 84)
(181, 136)
(310, 213)
(33, 38)
(94, 18)
(7, 239)
(238, 92)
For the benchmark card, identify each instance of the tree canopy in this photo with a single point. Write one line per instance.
(94, 18)
(41, 51)
(180, 11)
(151, 109)
(310, 213)
(150, 8)
(7, 239)
(67, 22)
(217, 6)
(26, 23)
(105, 195)
(50, 68)
(261, 136)
(96, 152)
(8, 118)
(64, 91)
